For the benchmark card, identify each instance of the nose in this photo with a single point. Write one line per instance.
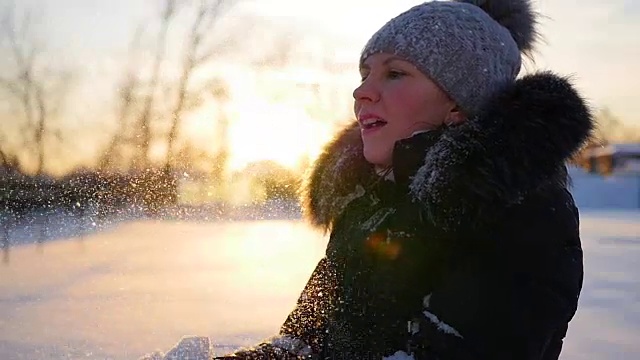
(367, 91)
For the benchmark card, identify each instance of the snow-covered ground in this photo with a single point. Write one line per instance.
(607, 325)
(621, 191)
(141, 286)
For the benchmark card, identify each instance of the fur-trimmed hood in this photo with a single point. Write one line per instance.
(519, 142)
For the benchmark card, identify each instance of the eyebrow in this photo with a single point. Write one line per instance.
(386, 61)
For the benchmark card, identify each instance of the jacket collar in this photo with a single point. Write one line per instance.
(409, 155)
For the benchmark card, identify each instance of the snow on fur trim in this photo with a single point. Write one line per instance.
(400, 355)
(519, 143)
(441, 325)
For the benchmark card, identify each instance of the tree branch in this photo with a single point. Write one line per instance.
(12, 88)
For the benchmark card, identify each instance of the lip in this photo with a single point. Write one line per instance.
(369, 131)
(364, 117)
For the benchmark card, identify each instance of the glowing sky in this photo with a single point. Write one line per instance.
(597, 40)
(594, 41)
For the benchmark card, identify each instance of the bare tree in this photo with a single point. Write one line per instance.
(144, 119)
(4, 155)
(610, 128)
(157, 97)
(200, 48)
(129, 85)
(38, 91)
(133, 91)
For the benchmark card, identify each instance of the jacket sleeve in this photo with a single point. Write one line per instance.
(513, 293)
(302, 334)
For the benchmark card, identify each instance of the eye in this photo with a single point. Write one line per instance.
(395, 74)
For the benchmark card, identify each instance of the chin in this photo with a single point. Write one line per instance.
(376, 157)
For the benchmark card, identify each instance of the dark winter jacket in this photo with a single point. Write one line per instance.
(472, 252)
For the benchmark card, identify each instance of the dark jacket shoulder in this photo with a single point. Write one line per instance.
(514, 292)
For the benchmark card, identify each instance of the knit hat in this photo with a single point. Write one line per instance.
(471, 48)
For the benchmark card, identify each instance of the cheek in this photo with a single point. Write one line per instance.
(409, 114)
(414, 114)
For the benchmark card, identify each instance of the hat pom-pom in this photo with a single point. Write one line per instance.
(517, 16)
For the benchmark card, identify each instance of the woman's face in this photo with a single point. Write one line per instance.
(394, 100)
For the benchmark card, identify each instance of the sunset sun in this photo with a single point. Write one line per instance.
(278, 130)
(264, 131)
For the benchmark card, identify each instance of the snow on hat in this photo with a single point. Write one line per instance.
(471, 48)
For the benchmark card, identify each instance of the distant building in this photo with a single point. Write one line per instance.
(612, 159)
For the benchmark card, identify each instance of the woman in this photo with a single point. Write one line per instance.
(453, 234)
